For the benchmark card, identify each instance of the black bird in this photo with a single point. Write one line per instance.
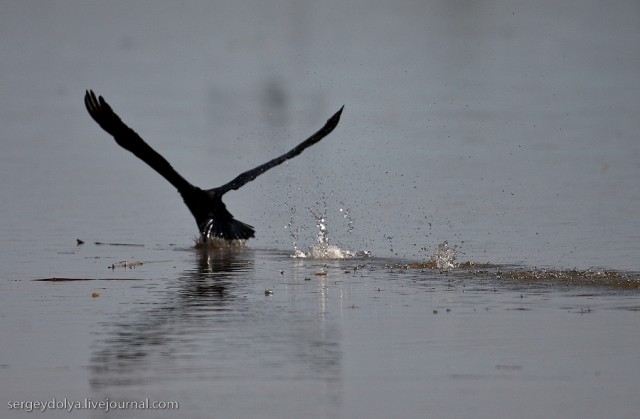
(212, 217)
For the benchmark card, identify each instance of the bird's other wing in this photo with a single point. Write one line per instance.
(250, 175)
(127, 138)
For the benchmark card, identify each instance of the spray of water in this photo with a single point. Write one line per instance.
(218, 243)
(323, 249)
(445, 256)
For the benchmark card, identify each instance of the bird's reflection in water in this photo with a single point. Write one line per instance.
(211, 324)
(142, 341)
(215, 276)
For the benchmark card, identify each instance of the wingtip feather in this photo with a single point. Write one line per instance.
(333, 121)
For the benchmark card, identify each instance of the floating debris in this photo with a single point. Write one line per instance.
(118, 244)
(66, 279)
(523, 274)
(124, 264)
(95, 294)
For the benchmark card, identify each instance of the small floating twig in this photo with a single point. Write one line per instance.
(119, 244)
(125, 265)
(62, 279)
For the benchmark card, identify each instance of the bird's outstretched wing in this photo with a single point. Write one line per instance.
(127, 138)
(250, 175)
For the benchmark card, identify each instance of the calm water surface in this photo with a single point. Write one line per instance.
(336, 338)
(507, 130)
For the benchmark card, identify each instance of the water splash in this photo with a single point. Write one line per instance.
(322, 249)
(294, 230)
(445, 256)
(219, 243)
(347, 216)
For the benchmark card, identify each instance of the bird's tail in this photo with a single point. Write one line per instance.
(227, 229)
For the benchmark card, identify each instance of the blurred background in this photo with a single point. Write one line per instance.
(507, 128)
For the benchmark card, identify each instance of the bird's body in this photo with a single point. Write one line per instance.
(212, 217)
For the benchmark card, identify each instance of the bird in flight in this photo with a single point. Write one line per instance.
(212, 217)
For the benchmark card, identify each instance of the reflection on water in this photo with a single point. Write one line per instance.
(211, 324)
